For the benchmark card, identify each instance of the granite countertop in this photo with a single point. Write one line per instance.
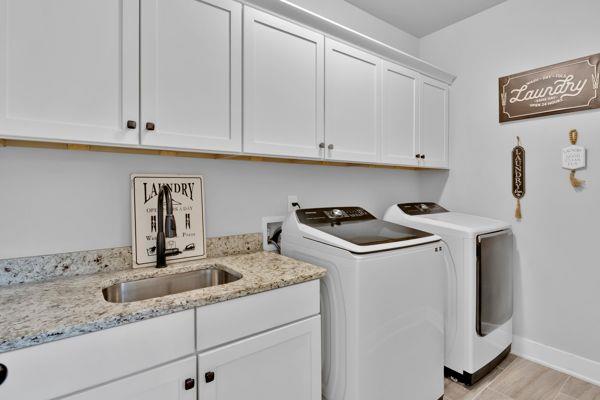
(35, 313)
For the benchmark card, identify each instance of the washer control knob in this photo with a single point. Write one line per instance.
(337, 213)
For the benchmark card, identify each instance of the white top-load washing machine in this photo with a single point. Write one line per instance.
(480, 286)
(382, 303)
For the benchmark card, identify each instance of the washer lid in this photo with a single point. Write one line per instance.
(356, 230)
(469, 224)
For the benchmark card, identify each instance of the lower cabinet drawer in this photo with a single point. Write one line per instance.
(284, 363)
(175, 381)
(231, 320)
(66, 366)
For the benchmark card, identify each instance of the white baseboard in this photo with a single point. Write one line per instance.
(577, 366)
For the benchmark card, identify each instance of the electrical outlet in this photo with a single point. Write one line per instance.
(269, 225)
(292, 198)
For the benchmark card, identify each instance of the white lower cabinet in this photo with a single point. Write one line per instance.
(265, 346)
(175, 381)
(280, 364)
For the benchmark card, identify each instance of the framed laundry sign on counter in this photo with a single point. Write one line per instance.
(560, 88)
(187, 192)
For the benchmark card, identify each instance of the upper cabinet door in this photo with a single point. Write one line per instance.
(191, 74)
(69, 70)
(400, 115)
(434, 124)
(352, 103)
(283, 87)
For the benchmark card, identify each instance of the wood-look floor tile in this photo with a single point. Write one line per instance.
(507, 361)
(457, 391)
(525, 380)
(489, 394)
(453, 390)
(562, 396)
(580, 390)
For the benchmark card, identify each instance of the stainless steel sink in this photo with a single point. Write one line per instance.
(149, 288)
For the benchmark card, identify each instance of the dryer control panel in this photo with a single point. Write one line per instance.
(319, 216)
(421, 208)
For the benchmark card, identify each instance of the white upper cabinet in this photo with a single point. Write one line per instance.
(434, 124)
(191, 74)
(352, 103)
(400, 115)
(283, 87)
(69, 70)
(281, 364)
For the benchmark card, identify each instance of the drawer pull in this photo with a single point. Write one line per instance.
(189, 383)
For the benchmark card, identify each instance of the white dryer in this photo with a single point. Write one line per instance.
(382, 303)
(480, 286)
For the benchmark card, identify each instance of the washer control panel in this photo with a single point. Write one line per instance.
(421, 208)
(316, 216)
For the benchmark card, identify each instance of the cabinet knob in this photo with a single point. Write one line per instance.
(322, 145)
(417, 156)
(330, 147)
(189, 383)
(131, 124)
(423, 156)
(209, 376)
(150, 126)
(3, 373)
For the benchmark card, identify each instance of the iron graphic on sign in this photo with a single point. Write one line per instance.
(560, 88)
(188, 209)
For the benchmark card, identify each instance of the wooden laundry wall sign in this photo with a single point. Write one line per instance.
(560, 88)
(518, 175)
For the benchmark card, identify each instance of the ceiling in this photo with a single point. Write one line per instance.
(422, 17)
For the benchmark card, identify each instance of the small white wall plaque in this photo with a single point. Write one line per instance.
(188, 208)
(573, 157)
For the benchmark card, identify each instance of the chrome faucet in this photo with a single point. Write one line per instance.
(166, 227)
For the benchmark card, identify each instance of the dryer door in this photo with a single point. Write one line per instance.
(494, 280)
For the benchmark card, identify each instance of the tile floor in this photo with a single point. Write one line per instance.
(519, 379)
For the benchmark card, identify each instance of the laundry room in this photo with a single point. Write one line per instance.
(299, 199)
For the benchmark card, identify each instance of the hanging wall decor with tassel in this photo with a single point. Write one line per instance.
(573, 158)
(518, 175)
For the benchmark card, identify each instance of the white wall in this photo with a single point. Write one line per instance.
(55, 201)
(558, 269)
(353, 17)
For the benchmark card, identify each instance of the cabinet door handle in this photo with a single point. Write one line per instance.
(423, 156)
(3, 373)
(189, 383)
(150, 126)
(330, 147)
(322, 145)
(209, 376)
(417, 156)
(131, 124)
